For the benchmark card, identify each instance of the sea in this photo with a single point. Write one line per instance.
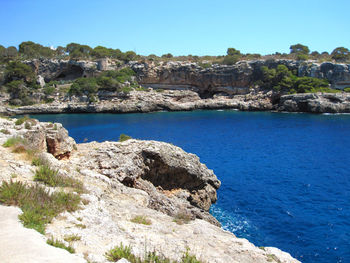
(285, 176)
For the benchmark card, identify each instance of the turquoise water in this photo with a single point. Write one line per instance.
(285, 177)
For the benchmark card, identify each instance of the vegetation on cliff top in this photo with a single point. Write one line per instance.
(30, 50)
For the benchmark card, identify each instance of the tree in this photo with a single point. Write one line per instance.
(299, 49)
(169, 55)
(16, 70)
(341, 54)
(11, 52)
(77, 51)
(232, 52)
(33, 50)
(233, 55)
(2, 51)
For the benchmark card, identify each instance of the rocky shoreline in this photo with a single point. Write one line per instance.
(156, 180)
(186, 100)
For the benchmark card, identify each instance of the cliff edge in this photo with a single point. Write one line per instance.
(169, 189)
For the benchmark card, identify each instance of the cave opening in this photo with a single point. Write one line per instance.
(71, 73)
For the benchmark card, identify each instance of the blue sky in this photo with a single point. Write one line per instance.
(196, 27)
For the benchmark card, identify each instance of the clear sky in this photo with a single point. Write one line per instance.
(181, 27)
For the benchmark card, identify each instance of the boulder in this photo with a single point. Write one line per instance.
(175, 180)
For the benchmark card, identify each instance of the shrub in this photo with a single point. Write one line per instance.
(141, 220)
(5, 131)
(37, 161)
(72, 238)
(14, 141)
(182, 218)
(347, 89)
(51, 177)
(56, 243)
(83, 86)
(16, 70)
(120, 252)
(21, 120)
(38, 205)
(27, 125)
(124, 137)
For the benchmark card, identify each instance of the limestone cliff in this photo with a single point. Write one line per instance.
(155, 180)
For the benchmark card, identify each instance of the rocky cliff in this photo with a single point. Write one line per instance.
(155, 180)
(188, 86)
(235, 79)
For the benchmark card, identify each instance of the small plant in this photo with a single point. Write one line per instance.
(55, 127)
(38, 205)
(20, 121)
(124, 137)
(188, 258)
(49, 176)
(182, 218)
(13, 141)
(159, 90)
(5, 131)
(120, 252)
(27, 125)
(82, 226)
(141, 220)
(72, 238)
(347, 89)
(56, 243)
(37, 161)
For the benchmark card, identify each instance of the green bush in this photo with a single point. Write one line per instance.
(281, 79)
(38, 205)
(124, 137)
(14, 141)
(141, 220)
(347, 89)
(56, 243)
(16, 70)
(122, 251)
(83, 86)
(50, 177)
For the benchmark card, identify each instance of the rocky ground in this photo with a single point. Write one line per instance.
(123, 180)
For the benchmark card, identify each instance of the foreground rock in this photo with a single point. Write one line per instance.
(155, 180)
(19, 244)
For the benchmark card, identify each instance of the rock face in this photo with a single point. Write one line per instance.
(53, 69)
(168, 174)
(41, 136)
(316, 103)
(232, 80)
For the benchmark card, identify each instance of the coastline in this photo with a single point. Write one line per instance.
(120, 179)
(185, 100)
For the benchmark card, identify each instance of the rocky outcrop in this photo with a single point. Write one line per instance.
(316, 103)
(47, 137)
(168, 174)
(55, 69)
(143, 101)
(231, 80)
(129, 179)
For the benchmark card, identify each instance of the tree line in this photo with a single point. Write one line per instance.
(30, 50)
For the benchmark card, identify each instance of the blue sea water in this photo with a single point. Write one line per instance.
(285, 177)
